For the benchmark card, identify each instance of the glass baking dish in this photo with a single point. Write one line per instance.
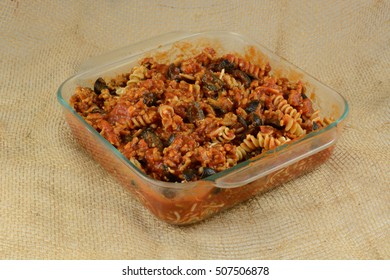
(185, 203)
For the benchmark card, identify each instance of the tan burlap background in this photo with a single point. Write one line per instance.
(57, 203)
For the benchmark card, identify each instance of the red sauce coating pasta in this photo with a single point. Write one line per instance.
(206, 112)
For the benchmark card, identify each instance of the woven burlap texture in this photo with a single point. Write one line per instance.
(56, 202)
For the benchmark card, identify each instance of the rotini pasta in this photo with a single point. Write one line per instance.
(169, 119)
(244, 65)
(222, 134)
(292, 126)
(137, 75)
(281, 104)
(315, 117)
(262, 141)
(142, 118)
(196, 115)
(230, 81)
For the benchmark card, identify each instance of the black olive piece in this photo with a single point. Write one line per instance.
(195, 112)
(170, 140)
(222, 64)
(171, 178)
(304, 96)
(113, 92)
(216, 105)
(173, 72)
(211, 81)
(242, 76)
(126, 138)
(189, 174)
(152, 139)
(242, 121)
(207, 171)
(219, 112)
(150, 99)
(168, 176)
(255, 119)
(252, 106)
(210, 87)
(274, 123)
(254, 123)
(315, 126)
(169, 193)
(99, 85)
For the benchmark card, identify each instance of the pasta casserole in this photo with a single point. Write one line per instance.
(196, 116)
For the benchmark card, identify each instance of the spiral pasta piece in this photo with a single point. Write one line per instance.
(292, 126)
(140, 116)
(244, 65)
(137, 75)
(269, 142)
(263, 140)
(120, 91)
(281, 104)
(248, 145)
(222, 134)
(143, 119)
(166, 113)
(230, 82)
(315, 117)
(169, 119)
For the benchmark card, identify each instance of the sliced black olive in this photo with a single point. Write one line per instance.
(211, 82)
(254, 123)
(252, 106)
(255, 119)
(173, 72)
(315, 126)
(150, 99)
(189, 174)
(171, 178)
(194, 112)
(242, 76)
(274, 123)
(242, 121)
(168, 176)
(170, 140)
(304, 96)
(210, 87)
(207, 171)
(126, 138)
(222, 64)
(152, 139)
(99, 85)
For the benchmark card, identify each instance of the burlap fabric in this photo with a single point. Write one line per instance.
(56, 202)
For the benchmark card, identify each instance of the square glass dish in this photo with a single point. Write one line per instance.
(189, 202)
